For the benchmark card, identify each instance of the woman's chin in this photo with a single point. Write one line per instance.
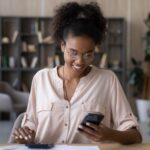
(78, 70)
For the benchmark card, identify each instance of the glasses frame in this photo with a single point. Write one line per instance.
(75, 56)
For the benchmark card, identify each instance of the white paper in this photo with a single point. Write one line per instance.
(10, 147)
(69, 147)
(56, 147)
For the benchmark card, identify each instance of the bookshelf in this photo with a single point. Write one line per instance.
(26, 46)
(115, 48)
(25, 43)
(10, 27)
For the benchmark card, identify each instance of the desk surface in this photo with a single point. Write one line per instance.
(124, 147)
(116, 146)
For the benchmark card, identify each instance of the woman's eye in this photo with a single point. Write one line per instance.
(88, 55)
(74, 53)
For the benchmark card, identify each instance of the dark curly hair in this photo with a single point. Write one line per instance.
(78, 19)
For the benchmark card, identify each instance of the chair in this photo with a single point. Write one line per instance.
(17, 124)
(19, 99)
(6, 104)
(143, 108)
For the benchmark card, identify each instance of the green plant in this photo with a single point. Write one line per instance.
(136, 77)
(147, 39)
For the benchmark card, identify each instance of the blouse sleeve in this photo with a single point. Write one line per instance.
(29, 119)
(122, 115)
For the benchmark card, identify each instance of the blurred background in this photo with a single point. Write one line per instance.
(26, 46)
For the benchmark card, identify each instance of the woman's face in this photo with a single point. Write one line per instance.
(78, 53)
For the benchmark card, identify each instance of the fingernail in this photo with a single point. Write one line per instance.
(29, 136)
(16, 137)
(88, 124)
(81, 127)
(21, 137)
(26, 138)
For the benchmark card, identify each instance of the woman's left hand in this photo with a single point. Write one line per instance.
(95, 132)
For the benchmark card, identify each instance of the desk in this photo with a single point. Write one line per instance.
(124, 147)
(117, 146)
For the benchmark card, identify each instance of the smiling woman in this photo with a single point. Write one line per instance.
(61, 97)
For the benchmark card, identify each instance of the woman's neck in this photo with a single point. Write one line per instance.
(66, 74)
(69, 75)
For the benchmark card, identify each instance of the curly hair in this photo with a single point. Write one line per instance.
(78, 19)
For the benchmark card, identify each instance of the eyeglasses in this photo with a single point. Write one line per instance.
(74, 55)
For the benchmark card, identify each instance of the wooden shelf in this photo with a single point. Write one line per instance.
(28, 38)
(8, 69)
(29, 69)
(28, 34)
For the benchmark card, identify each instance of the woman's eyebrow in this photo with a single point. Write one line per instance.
(73, 49)
(89, 51)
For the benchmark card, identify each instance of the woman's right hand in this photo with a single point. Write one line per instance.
(24, 135)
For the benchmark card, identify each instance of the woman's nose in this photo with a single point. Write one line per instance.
(80, 60)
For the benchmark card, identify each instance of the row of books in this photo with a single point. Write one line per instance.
(7, 40)
(41, 38)
(28, 47)
(26, 64)
(51, 62)
(46, 39)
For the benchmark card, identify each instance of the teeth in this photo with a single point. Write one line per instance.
(77, 67)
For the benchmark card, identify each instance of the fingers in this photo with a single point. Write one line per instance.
(93, 126)
(88, 135)
(18, 138)
(92, 131)
(24, 135)
(30, 133)
(89, 130)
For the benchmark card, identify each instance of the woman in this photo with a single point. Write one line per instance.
(62, 96)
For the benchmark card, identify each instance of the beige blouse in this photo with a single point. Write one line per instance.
(56, 120)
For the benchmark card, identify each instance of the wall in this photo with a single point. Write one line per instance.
(134, 11)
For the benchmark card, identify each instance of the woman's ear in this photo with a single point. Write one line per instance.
(62, 46)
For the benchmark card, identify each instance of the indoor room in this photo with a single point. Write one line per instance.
(65, 60)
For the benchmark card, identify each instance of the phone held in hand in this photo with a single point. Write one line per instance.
(40, 146)
(94, 118)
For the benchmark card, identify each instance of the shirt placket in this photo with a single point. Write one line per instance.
(66, 122)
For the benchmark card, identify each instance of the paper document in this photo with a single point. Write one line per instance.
(56, 147)
(10, 147)
(69, 147)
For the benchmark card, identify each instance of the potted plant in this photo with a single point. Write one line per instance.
(143, 104)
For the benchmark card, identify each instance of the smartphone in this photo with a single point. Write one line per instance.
(94, 118)
(40, 146)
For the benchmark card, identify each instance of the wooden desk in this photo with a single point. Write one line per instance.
(117, 146)
(124, 147)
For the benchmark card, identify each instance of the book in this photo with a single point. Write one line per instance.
(36, 26)
(5, 40)
(12, 62)
(31, 48)
(34, 62)
(39, 34)
(50, 62)
(14, 38)
(103, 61)
(57, 60)
(24, 46)
(42, 27)
(15, 83)
(48, 40)
(24, 62)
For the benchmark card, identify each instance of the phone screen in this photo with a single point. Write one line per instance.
(92, 118)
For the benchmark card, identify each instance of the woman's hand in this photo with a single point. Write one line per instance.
(24, 135)
(102, 133)
(95, 133)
